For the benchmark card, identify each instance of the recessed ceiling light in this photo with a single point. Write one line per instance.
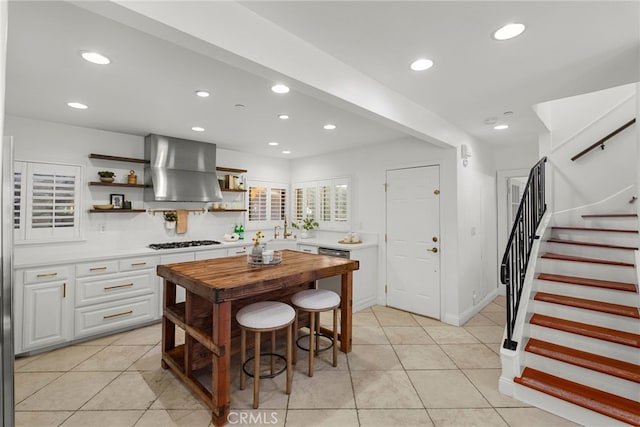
(95, 58)
(280, 88)
(202, 93)
(501, 127)
(77, 105)
(286, 152)
(273, 143)
(283, 116)
(421, 64)
(490, 120)
(509, 31)
(329, 126)
(197, 129)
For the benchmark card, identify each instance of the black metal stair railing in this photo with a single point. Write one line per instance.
(516, 257)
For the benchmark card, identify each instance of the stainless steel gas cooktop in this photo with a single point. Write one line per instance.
(188, 244)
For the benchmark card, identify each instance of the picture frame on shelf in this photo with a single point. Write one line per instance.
(116, 200)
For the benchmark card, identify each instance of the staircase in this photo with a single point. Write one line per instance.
(582, 357)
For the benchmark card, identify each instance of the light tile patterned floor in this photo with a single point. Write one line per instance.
(405, 370)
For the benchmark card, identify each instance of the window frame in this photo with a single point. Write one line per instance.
(26, 233)
(269, 186)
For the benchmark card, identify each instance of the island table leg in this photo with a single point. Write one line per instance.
(220, 369)
(346, 308)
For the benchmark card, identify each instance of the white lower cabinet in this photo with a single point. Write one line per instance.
(101, 318)
(55, 305)
(46, 313)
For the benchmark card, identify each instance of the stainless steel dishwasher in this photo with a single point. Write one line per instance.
(333, 283)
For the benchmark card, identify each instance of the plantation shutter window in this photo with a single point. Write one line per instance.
(257, 204)
(46, 200)
(327, 201)
(267, 204)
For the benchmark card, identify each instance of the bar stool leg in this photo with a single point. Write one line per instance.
(256, 371)
(289, 370)
(295, 338)
(273, 351)
(335, 337)
(312, 328)
(317, 333)
(243, 355)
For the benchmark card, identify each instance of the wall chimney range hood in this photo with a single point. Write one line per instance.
(180, 170)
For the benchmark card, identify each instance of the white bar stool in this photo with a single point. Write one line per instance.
(265, 316)
(315, 301)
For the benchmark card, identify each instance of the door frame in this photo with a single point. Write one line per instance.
(443, 313)
(502, 180)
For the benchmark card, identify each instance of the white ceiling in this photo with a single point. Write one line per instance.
(569, 48)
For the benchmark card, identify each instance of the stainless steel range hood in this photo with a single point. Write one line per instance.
(180, 170)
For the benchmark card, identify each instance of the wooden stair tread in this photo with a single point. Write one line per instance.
(617, 215)
(606, 365)
(608, 404)
(586, 330)
(583, 281)
(613, 230)
(572, 258)
(597, 245)
(587, 304)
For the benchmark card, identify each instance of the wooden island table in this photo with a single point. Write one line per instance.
(215, 290)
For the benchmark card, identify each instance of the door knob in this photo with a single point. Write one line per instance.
(434, 250)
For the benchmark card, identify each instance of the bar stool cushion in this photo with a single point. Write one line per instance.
(265, 315)
(316, 299)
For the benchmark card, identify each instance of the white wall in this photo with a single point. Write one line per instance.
(578, 122)
(468, 261)
(477, 232)
(55, 142)
(522, 156)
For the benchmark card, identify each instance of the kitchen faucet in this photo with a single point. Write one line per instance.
(285, 234)
(275, 232)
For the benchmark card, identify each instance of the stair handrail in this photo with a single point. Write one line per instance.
(515, 261)
(601, 142)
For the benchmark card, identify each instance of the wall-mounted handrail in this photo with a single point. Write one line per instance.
(601, 142)
(516, 257)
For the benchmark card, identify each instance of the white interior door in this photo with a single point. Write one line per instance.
(413, 240)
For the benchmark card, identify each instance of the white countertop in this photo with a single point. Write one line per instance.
(41, 257)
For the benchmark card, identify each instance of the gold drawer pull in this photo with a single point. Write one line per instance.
(97, 268)
(138, 264)
(117, 315)
(126, 285)
(47, 275)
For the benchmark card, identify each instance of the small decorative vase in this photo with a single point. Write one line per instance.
(257, 250)
(105, 179)
(170, 225)
(304, 234)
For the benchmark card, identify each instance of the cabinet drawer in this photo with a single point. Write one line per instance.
(97, 319)
(308, 249)
(98, 290)
(95, 268)
(237, 251)
(141, 263)
(215, 253)
(47, 274)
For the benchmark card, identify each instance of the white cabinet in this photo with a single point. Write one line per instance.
(309, 249)
(101, 318)
(210, 254)
(241, 250)
(44, 303)
(365, 279)
(58, 304)
(171, 259)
